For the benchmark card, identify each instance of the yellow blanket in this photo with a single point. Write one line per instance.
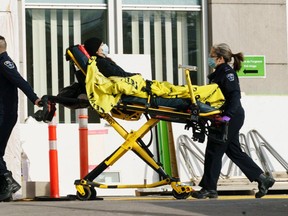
(104, 93)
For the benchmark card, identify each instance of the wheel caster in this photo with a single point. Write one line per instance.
(181, 195)
(93, 195)
(89, 194)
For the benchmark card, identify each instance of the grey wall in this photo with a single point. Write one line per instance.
(254, 27)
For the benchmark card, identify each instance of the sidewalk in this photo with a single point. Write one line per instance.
(152, 206)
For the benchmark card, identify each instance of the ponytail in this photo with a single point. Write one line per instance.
(238, 59)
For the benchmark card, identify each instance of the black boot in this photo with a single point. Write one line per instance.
(203, 194)
(11, 181)
(264, 183)
(5, 189)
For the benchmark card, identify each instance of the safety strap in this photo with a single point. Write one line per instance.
(148, 89)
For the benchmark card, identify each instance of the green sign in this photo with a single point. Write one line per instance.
(253, 66)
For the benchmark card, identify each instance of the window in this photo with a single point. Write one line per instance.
(170, 37)
(48, 33)
(163, 2)
(65, 1)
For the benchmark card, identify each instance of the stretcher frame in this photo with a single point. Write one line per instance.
(133, 140)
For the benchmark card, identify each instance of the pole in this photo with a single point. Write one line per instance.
(53, 159)
(164, 147)
(83, 141)
(173, 158)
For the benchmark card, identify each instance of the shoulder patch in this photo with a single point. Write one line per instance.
(230, 77)
(9, 64)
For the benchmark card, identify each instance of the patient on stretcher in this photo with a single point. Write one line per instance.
(107, 84)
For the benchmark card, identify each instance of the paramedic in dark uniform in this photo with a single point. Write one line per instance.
(95, 47)
(225, 76)
(10, 81)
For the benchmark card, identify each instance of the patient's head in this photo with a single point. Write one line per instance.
(92, 46)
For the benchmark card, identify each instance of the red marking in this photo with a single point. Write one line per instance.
(97, 132)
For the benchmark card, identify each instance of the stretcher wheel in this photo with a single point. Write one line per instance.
(90, 194)
(93, 193)
(181, 195)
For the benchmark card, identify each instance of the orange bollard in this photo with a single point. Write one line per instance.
(53, 160)
(83, 142)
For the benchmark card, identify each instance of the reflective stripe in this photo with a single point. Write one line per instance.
(53, 145)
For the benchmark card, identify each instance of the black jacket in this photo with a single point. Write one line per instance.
(228, 81)
(10, 81)
(109, 68)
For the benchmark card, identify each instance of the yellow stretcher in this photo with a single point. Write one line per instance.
(198, 118)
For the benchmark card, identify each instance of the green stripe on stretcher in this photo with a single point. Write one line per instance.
(164, 146)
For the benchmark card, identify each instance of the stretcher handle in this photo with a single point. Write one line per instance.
(187, 69)
(76, 62)
(60, 100)
(48, 110)
(48, 103)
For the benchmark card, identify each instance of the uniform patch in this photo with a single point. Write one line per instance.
(230, 77)
(9, 64)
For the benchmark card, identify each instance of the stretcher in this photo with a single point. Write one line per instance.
(197, 116)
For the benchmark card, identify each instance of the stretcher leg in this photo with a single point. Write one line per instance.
(132, 142)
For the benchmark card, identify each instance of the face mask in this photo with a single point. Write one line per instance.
(105, 49)
(211, 62)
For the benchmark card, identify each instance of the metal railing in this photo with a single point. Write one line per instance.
(193, 156)
(260, 145)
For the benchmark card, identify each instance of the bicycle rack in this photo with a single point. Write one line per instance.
(191, 152)
(260, 145)
(185, 145)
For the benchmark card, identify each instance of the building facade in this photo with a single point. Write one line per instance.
(254, 27)
(171, 32)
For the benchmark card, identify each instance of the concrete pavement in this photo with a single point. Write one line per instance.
(151, 205)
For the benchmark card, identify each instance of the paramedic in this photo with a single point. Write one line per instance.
(10, 81)
(227, 79)
(95, 47)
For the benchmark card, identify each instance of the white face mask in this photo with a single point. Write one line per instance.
(105, 49)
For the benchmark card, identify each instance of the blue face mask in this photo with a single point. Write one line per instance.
(211, 62)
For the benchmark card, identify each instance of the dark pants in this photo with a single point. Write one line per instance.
(7, 122)
(215, 151)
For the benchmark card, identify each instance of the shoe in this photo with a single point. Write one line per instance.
(203, 194)
(5, 189)
(10, 180)
(264, 183)
(9, 199)
(8, 186)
